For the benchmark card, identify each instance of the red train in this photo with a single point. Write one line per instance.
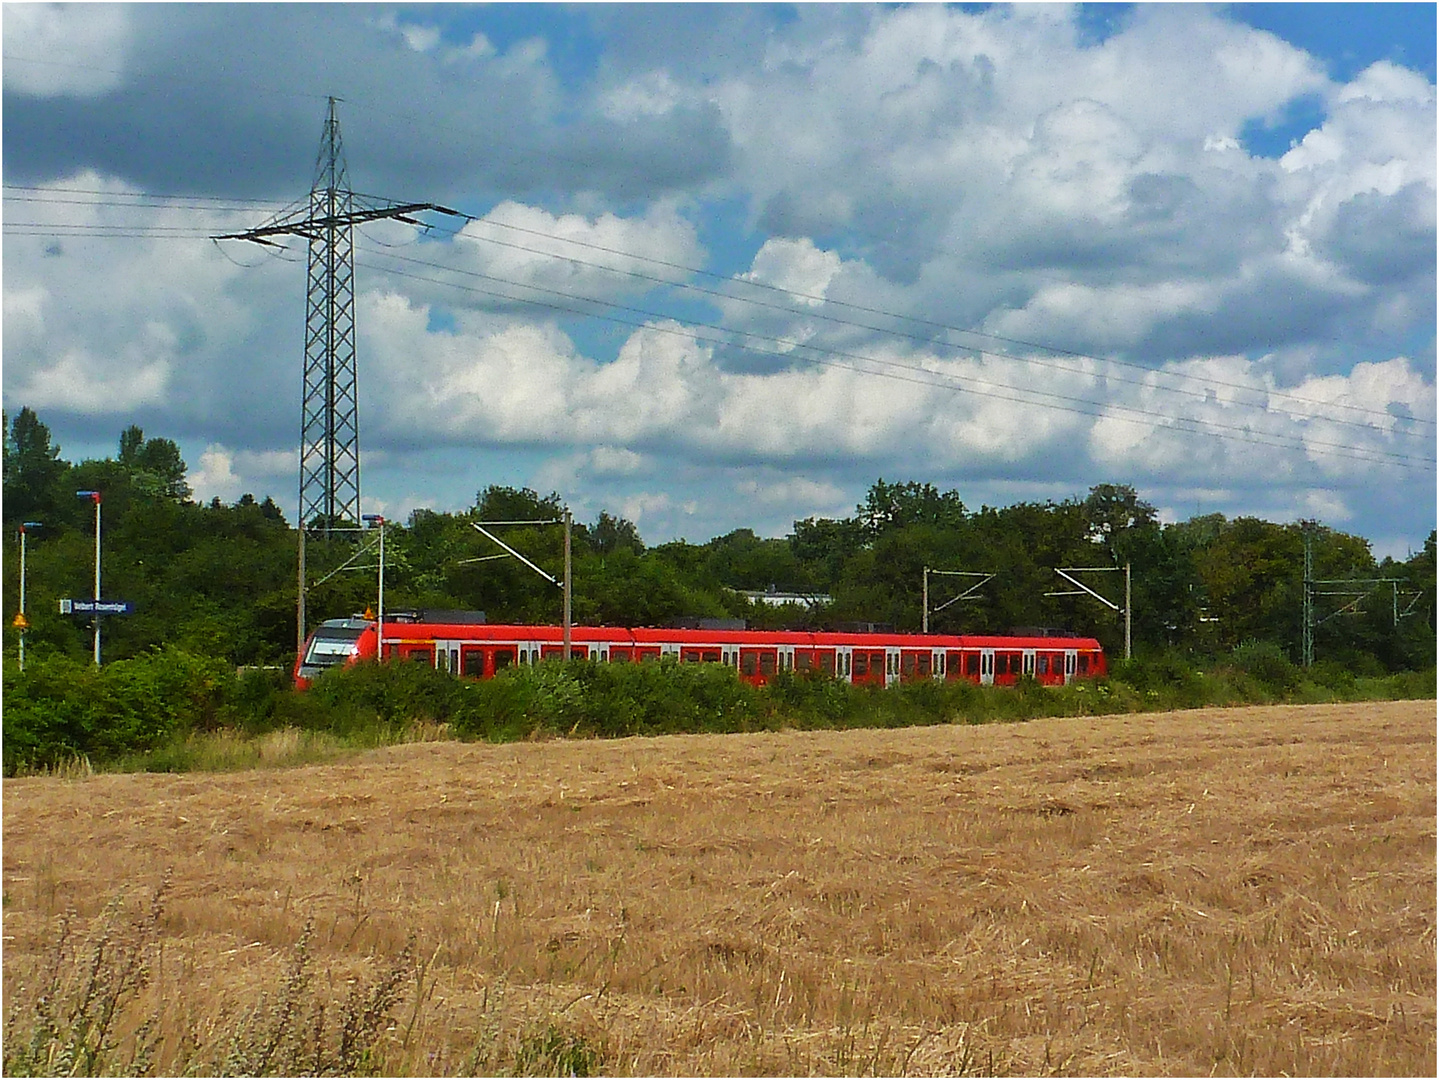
(479, 650)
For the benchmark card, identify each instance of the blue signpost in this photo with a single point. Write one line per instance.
(96, 607)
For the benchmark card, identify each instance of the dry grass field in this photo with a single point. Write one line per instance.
(1219, 891)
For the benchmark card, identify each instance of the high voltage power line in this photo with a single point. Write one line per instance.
(909, 373)
(1205, 386)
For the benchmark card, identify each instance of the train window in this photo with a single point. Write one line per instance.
(1084, 663)
(474, 661)
(747, 663)
(504, 658)
(825, 662)
(444, 660)
(619, 656)
(690, 656)
(922, 665)
(1042, 664)
(709, 656)
(766, 663)
(421, 656)
(802, 661)
(907, 664)
(861, 665)
(971, 663)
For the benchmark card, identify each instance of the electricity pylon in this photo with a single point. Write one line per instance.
(329, 415)
(329, 410)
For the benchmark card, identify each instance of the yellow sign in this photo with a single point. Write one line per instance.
(20, 622)
(370, 613)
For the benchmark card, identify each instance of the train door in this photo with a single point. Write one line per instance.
(843, 662)
(1071, 664)
(447, 656)
(986, 667)
(786, 657)
(891, 666)
(1029, 662)
(670, 650)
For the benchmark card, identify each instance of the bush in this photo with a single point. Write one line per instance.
(60, 708)
(609, 700)
(349, 701)
(1268, 664)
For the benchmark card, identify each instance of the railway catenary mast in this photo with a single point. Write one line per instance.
(329, 411)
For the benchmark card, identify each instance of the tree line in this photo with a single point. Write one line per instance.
(216, 579)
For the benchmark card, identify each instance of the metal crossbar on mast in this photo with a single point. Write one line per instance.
(1068, 573)
(567, 520)
(984, 579)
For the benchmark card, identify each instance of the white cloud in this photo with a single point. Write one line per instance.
(616, 461)
(66, 50)
(103, 385)
(940, 168)
(226, 473)
(215, 478)
(796, 266)
(527, 246)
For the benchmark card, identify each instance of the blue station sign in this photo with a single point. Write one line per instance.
(96, 607)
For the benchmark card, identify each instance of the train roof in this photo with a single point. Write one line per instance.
(463, 631)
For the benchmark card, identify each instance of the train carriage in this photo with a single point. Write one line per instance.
(477, 650)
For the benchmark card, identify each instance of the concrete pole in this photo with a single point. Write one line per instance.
(1128, 615)
(568, 521)
(97, 579)
(380, 615)
(22, 598)
(300, 602)
(924, 623)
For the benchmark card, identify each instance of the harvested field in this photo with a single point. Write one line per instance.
(1232, 891)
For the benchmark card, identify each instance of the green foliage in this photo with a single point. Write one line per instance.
(59, 708)
(1267, 663)
(220, 580)
(555, 1051)
(608, 700)
(351, 700)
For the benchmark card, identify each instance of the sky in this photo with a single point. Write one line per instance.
(724, 266)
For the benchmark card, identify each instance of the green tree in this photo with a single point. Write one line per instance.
(34, 474)
(610, 534)
(888, 506)
(155, 466)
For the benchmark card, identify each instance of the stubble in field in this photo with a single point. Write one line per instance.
(1233, 891)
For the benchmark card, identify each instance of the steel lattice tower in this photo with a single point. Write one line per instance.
(329, 410)
(330, 423)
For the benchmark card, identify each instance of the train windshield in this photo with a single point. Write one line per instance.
(332, 645)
